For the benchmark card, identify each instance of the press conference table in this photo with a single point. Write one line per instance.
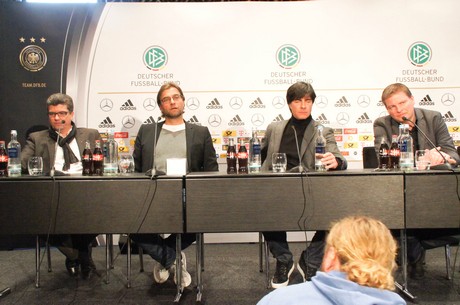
(217, 202)
(96, 204)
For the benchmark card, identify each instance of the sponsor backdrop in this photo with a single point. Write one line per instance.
(235, 61)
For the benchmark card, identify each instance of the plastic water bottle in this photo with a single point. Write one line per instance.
(255, 158)
(406, 146)
(111, 155)
(320, 149)
(14, 155)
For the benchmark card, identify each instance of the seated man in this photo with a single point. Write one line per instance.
(357, 268)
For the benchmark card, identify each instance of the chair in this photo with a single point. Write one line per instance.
(446, 242)
(370, 157)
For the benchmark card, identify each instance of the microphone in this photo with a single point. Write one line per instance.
(53, 170)
(154, 171)
(299, 168)
(446, 165)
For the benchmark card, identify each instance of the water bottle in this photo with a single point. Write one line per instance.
(111, 155)
(320, 149)
(255, 158)
(406, 161)
(14, 156)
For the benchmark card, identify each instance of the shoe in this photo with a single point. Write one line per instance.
(306, 271)
(186, 278)
(88, 269)
(160, 273)
(416, 270)
(282, 274)
(71, 266)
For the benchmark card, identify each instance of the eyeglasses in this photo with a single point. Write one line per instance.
(60, 114)
(169, 99)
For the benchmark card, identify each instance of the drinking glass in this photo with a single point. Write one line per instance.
(422, 159)
(126, 164)
(35, 166)
(279, 162)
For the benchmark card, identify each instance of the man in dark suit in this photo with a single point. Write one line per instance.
(399, 102)
(174, 139)
(280, 137)
(66, 157)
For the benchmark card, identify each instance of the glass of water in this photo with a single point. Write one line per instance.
(279, 162)
(126, 164)
(35, 166)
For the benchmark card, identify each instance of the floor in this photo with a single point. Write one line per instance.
(231, 277)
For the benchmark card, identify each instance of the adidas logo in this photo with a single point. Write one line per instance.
(426, 101)
(342, 102)
(322, 119)
(236, 121)
(150, 120)
(363, 119)
(107, 123)
(214, 104)
(128, 105)
(278, 118)
(448, 117)
(257, 103)
(194, 120)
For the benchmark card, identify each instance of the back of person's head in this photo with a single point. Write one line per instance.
(299, 90)
(60, 99)
(366, 251)
(395, 88)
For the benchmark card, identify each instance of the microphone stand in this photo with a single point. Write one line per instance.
(446, 165)
(52, 171)
(154, 171)
(299, 168)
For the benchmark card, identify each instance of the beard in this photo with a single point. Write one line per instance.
(173, 114)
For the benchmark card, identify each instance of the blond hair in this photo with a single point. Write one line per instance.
(366, 250)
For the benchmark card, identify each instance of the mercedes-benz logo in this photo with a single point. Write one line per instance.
(128, 121)
(448, 99)
(321, 101)
(383, 113)
(193, 103)
(364, 101)
(343, 118)
(150, 104)
(214, 120)
(278, 102)
(236, 102)
(106, 105)
(257, 119)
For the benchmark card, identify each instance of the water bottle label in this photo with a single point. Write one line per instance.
(256, 148)
(320, 150)
(13, 153)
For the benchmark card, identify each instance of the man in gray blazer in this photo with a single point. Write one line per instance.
(174, 139)
(64, 157)
(399, 102)
(281, 137)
